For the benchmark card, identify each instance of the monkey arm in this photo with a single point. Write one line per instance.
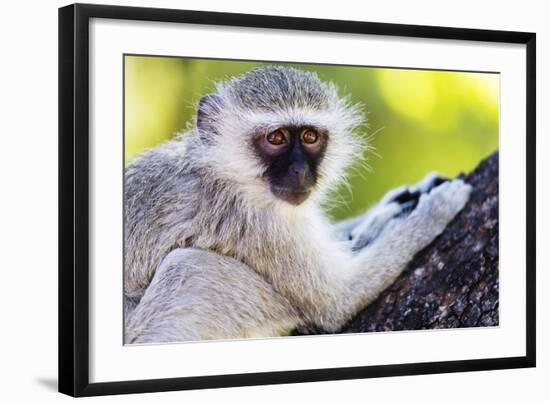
(386, 238)
(381, 260)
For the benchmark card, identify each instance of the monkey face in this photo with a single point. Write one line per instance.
(292, 156)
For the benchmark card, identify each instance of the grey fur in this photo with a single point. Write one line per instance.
(278, 88)
(210, 253)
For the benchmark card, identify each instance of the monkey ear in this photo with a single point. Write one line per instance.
(209, 108)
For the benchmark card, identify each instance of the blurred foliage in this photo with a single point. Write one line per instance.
(422, 120)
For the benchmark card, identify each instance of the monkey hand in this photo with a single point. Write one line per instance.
(416, 214)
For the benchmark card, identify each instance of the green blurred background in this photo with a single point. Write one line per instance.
(421, 120)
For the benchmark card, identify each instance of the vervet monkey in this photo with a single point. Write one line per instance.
(225, 236)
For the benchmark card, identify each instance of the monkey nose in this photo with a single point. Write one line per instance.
(299, 173)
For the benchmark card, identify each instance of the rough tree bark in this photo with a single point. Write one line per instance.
(454, 281)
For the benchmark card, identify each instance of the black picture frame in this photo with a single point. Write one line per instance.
(74, 198)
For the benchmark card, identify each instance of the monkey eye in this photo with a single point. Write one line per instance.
(276, 138)
(310, 137)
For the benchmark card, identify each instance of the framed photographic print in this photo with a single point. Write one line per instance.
(249, 199)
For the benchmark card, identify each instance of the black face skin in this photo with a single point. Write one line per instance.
(292, 156)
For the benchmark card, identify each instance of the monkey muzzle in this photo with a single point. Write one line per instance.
(296, 185)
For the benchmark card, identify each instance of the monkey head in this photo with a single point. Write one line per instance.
(279, 133)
